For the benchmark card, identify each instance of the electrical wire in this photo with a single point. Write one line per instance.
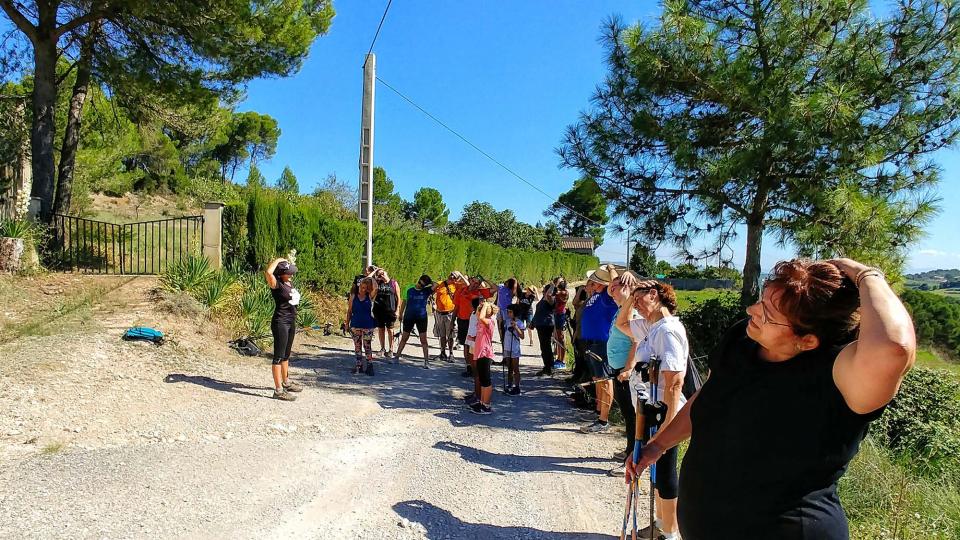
(377, 34)
(484, 153)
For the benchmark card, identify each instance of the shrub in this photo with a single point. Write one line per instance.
(187, 275)
(216, 289)
(707, 320)
(921, 426)
(330, 250)
(936, 319)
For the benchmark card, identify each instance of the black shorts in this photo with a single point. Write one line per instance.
(283, 334)
(600, 368)
(483, 372)
(462, 326)
(385, 319)
(666, 477)
(420, 323)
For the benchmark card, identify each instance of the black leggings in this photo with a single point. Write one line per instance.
(621, 394)
(667, 480)
(545, 336)
(283, 334)
(483, 372)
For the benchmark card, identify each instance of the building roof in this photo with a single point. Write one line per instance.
(577, 242)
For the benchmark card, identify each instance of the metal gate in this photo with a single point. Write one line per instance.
(145, 247)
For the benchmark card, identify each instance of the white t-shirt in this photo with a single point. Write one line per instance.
(472, 329)
(666, 338)
(511, 343)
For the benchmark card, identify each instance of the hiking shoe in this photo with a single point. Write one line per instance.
(369, 370)
(480, 408)
(284, 396)
(515, 391)
(472, 400)
(620, 456)
(596, 427)
(292, 387)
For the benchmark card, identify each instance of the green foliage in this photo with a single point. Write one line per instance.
(481, 221)
(247, 136)
(429, 210)
(643, 261)
(329, 249)
(884, 500)
(815, 122)
(255, 306)
(19, 228)
(921, 426)
(188, 275)
(582, 211)
(936, 319)
(255, 179)
(287, 182)
(707, 320)
(215, 291)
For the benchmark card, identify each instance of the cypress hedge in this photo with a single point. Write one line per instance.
(330, 250)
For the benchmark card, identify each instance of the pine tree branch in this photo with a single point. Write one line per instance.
(19, 19)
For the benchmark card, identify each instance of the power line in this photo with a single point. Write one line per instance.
(377, 34)
(485, 154)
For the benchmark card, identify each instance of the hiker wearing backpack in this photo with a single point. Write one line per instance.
(659, 332)
(362, 323)
(279, 275)
(443, 313)
(386, 310)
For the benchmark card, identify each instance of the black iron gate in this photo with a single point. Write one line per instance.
(145, 247)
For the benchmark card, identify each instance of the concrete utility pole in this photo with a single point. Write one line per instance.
(365, 209)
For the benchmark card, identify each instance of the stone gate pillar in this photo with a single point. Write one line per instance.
(213, 233)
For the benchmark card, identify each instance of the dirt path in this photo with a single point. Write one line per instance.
(105, 439)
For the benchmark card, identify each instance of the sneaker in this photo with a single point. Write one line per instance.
(596, 427)
(356, 369)
(620, 456)
(480, 408)
(471, 400)
(291, 386)
(284, 396)
(456, 346)
(382, 353)
(515, 391)
(443, 356)
(449, 358)
(369, 370)
(426, 365)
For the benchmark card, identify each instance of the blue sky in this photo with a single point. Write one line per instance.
(510, 76)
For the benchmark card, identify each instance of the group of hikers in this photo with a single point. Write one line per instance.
(789, 394)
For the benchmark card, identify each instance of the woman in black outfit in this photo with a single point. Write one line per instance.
(791, 392)
(283, 326)
(543, 321)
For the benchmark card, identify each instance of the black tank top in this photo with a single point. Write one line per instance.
(386, 299)
(770, 441)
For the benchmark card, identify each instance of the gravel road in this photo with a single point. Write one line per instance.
(101, 438)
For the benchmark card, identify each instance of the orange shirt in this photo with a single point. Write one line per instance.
(463, 298)
(444, 296)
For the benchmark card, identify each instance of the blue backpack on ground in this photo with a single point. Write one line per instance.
(142, 333)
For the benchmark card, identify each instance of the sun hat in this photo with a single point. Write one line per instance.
(604, 275)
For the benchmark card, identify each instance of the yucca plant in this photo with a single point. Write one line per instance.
(215, 291)
(307, 318)
(18, 228)
(187, 275)
(256, 306)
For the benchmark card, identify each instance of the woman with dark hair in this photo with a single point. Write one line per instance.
(362, 323)
(543, 323)
(791, 393)
(279, 275)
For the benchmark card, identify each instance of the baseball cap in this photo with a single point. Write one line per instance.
(285, 267)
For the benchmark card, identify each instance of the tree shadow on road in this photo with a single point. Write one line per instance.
(440, 523)
(513, 463)
(216, 384)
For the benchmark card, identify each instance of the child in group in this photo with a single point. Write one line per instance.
(468, 351)
(514, 329)
(483, 352)
(362, 323)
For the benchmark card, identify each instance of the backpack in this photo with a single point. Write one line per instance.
(142, 333)
(245, 346)
(692, 380)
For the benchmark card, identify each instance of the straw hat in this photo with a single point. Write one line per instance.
(604, 275)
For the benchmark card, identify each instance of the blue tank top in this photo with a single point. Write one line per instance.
(618, 347)
(361, 314)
